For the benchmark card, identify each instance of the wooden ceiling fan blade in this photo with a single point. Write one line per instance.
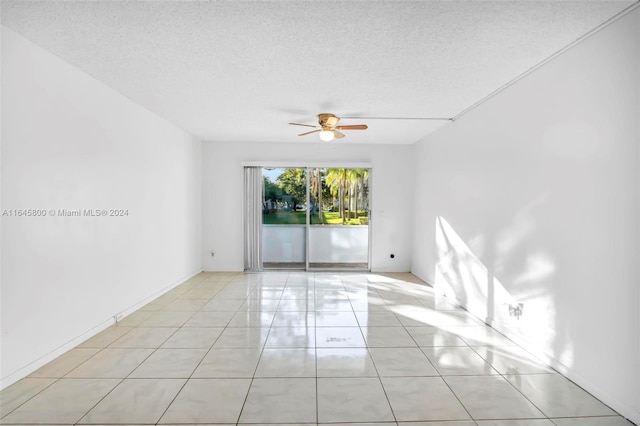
(353, 127)
(305, 125)
(338, 134)
(308, 133)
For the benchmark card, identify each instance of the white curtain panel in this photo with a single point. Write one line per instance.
(253, 218)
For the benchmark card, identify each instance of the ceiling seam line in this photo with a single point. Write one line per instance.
(549, 59)
(402, 118)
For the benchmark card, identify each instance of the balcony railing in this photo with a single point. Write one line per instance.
(328, 244)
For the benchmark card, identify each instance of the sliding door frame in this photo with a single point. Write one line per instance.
(323, 165)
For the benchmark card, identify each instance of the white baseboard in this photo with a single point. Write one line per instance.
(223, 270)
(629, 412)
(13, 377)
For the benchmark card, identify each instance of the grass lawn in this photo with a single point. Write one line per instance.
(285, 218)
(299, 218)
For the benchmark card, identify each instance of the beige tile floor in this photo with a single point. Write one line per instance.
(300, 348)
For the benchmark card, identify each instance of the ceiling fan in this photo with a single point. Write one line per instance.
(328, 127)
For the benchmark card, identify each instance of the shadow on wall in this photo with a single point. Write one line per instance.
(461, 276)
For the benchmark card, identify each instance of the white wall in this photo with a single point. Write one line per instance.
(223, 193)
(70, 142)
(538, 194)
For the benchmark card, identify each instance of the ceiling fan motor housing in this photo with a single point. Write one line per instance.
(327, 120)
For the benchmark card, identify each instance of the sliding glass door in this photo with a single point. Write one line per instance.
(339, 218)
(284, 218)
(312, 218)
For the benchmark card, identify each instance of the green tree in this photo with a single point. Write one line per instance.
(271, 190)
(293, 182)
(340, 181)
(349, 186)
(358, 179)
(335, 179)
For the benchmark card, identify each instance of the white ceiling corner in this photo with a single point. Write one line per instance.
(241, 70)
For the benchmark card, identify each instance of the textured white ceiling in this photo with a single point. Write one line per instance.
(241, 70)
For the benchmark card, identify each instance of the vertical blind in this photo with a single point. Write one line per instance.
(253, 218)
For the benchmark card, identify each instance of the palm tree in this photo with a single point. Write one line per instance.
(355, 176)
(316, 189)
(348, 185)
(360, 176)
(335, 179)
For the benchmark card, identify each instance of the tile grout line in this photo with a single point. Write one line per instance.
(315, 350)
(490, 366)
(196, 367)
(255, 370)
(134, 369)
(512, 385)
(251, 288)
(4, 415)
(57, 379)
(140, 325)
(429, 361)
(395, 418)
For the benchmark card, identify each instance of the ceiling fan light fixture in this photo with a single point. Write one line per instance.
(328, 128)
(326, 135)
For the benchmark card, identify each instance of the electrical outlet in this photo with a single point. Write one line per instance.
(213, 253)
(516, 311)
